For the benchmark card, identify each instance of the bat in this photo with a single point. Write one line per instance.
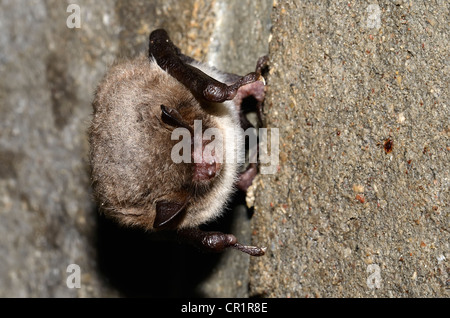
(138, 107)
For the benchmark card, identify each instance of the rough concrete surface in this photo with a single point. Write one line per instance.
(359, 205)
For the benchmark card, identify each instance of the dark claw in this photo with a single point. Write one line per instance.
(217, 241)
(262, 63)
(251, 250)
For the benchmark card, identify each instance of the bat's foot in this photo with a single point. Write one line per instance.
(217, 241)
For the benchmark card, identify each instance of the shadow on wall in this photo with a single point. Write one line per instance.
(145, 264)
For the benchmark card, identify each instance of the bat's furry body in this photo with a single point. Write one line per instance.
(137, 106)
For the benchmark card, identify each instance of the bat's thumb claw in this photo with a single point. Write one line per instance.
(262, 79)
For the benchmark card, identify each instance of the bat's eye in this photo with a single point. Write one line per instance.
(173, 118)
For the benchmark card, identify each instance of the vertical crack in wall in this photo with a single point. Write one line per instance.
(239, 37)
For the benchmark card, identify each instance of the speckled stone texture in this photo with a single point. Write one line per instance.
(360, 204)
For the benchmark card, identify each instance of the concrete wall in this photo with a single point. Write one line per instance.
(350, 213)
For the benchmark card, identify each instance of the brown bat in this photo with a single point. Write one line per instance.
(137, 107)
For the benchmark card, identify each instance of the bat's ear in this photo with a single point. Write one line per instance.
(168, 213)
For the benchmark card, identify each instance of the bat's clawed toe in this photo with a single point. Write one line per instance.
(250, 250)
(217, 241)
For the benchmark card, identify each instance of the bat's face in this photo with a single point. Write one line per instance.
(153, 165)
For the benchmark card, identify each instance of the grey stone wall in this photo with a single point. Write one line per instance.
(360, 204)
(359, 92)
(48, 75)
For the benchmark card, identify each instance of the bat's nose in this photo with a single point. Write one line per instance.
(206, 170)
(206, 166)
